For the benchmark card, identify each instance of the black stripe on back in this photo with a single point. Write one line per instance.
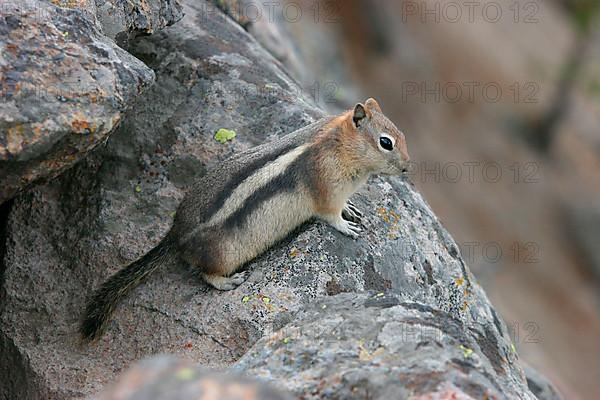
(235, 180)
(287, 181)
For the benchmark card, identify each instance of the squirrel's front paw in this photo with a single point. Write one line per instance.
(351, 213)
(348, 228)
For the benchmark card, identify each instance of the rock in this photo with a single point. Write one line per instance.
(155, 378)
(541, 387)
(265, 21)
(316, 60)
(124, 20)
(64, 85)
(65, 237)
(378, 346)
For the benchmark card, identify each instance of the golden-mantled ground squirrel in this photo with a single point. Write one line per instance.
(248, 203)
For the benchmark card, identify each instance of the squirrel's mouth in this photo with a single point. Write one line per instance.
(397, 170)
(394, 171)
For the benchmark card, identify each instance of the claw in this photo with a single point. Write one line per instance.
(240, 277)
(348, 228)
(351, 213)
(352, 207)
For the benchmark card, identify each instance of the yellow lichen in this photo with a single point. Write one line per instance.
(224, 135)
(467, 352)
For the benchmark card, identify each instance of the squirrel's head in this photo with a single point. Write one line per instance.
(385, 145)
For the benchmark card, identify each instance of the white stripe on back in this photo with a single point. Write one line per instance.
(254, 182)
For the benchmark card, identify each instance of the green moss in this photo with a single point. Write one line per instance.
(225, 135)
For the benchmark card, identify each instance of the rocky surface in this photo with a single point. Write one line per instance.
(540, 386)
(65, 84)
(378, 346)
(123, 20)
(163, 377)
(63, 238)
(315, 59)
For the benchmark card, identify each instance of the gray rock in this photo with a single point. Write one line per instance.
(123, 20)
(166, 377)
(65, 237)
(377, 346)
(64, 85)
(309, 50)
(539, 385)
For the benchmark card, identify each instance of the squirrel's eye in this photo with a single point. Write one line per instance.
(386, 143)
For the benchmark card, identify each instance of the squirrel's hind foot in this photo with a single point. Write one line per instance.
(226, 282)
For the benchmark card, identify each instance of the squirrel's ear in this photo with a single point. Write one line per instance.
(372, 104)
(360, 113)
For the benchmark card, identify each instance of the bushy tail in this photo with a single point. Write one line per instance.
(106, 298)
